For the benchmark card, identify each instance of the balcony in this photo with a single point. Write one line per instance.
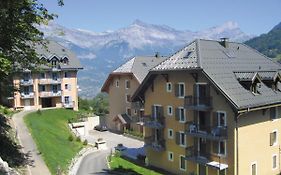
(156, 123)
(26, 82)
(138, 105)
(218, 133)
(198, 103)
(205, 158)
(156, 145)
(27, 95)
(68, 105)
(50, 94)
(50, 81)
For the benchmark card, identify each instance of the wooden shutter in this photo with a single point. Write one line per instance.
(271, 138)
(160, 112)
(272, 113)
(215, 119)
(215, 147)
(177, 138)
(195, 90)
(152, 111)
(195, 116)
(195, 147)
(177, 116)
(208, 90)
(177, 90)
(69, 87)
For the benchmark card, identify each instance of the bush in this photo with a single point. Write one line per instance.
(6, 111)
(70, 138)
(85, 142)
(78, 139)
(39, 112)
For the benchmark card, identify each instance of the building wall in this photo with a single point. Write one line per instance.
(254, 142)
(117, 97)
(161, 97)
(36, 102)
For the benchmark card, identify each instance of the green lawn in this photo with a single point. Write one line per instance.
(50, 132)
(123, 166)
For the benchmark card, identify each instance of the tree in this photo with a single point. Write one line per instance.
(18, 33)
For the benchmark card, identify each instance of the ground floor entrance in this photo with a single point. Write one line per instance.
(47, 103)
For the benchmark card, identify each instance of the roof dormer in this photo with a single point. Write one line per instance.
(65, 60)
(249, 80)
(271, 79)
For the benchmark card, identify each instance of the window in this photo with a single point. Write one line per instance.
(274, 113)
(66, 99)
(117, 83)
(42, 75)
(55, 76)
(128, 111)
(42, 88)
(182, 139)
(66, 86)
(254, 168)
(181, 90)
(170, 156)
(274, 161)
(273, 138)
(66, 74)
(182, 163)
(135, 111)
(181, 114)
(169, 87)
(222, 147)
(170, 133)
(221, 116)
(254, 88)
(128, 98)
(169, 110)
(127, 84)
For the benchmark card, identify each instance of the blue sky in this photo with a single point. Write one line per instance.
(252, 16)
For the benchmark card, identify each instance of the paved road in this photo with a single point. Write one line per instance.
(94, 163)
(37, 165)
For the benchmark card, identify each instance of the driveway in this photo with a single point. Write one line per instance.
(37, 165)
(95, 163)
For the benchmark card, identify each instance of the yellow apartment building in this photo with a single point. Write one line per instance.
(120, 86)
(54, 84)
(214, 109)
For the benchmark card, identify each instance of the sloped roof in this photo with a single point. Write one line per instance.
(224, 66)
(53, 49)
(138, 66)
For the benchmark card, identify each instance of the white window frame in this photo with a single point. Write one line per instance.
(169, 158)
(219, 148)
(182, 133)
(218, 118)
(168, 111)
(126, 98)
(184, 113)
(167, 87)
(256, 167)
(170, 136)
(126, 84)
(180, 163)
(117, 83)
(181, 83)
(274, 168)
(276, 141)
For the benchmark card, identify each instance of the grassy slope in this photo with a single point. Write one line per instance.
(118, 161)
(50, 132)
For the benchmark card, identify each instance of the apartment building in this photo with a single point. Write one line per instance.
(214, 108)
(53, 84)
(120, 86)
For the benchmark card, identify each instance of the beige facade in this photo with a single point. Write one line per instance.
(47, 88)
(121, 87)
(202, 151)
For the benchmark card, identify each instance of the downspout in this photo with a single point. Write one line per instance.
(236, 133)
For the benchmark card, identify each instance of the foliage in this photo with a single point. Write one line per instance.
(78, 139)
(269, 44)
(120, 165)
(70, 137)
(133, 133)
(97, 105)
(85, 142)
(51, 134)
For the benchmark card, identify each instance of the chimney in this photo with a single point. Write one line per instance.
(157, 54)
(224, 42)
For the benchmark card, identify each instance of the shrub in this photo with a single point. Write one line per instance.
(6, 111)
(85, 142)
(39, 112)
(70, 138)
(78, 139)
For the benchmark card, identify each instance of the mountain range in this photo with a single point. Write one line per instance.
(100, 53)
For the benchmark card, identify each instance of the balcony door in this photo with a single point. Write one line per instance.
(202, 147)
(202, 121)
(201, 92)
(157, 111)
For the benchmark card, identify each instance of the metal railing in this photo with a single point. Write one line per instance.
(50, 94)
(197, 102)
(27, 95)
(137, 105)
(68, 105)
(208, 132)
(49, 81)
(157, 145)
(26, 82)
(155, 122)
